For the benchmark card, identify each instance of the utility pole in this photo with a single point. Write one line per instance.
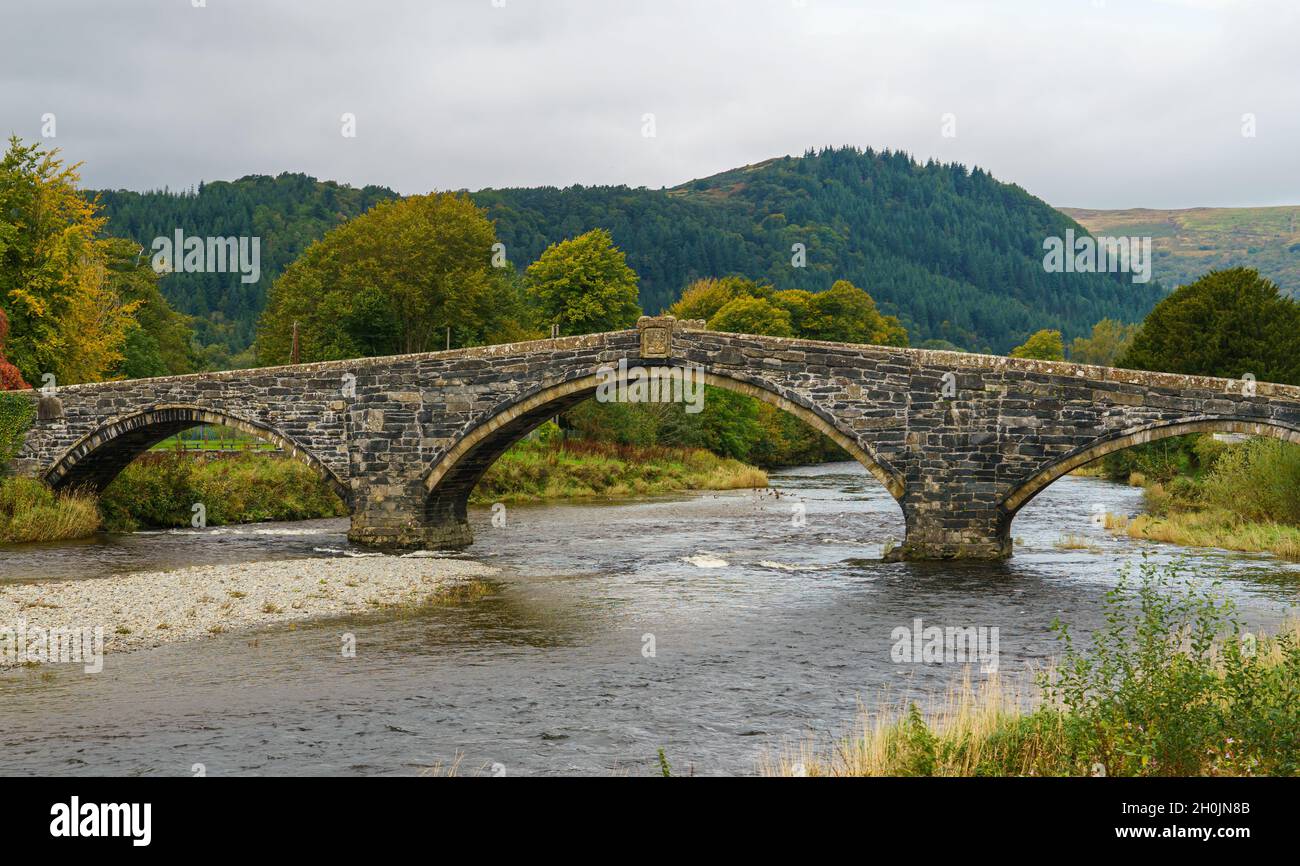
(449, 338)
(294, 353)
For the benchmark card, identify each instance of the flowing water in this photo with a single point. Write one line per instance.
(764, 632)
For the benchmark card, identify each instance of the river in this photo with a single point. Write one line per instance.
(765, 633)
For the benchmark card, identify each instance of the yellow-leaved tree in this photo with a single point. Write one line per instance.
(409, 275)
(65, 318)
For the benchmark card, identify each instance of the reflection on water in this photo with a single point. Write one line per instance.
(764, 632)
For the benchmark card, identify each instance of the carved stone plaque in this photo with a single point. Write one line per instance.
(655, 342)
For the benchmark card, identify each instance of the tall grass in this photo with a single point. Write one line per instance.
(31, 511)
(1170, 685)
(536, 471)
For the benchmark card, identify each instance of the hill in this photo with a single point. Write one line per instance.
(1188, 243)
(955, 253)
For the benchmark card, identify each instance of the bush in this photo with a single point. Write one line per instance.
(1157, 461)
(1259, 480)
(730, 425)
(162, 489)
(16, 414)
(155, 490)
(1159, 694)
(536, 470)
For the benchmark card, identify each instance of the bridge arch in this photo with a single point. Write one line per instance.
(94, 460)
(1021, 494)
(450, 480)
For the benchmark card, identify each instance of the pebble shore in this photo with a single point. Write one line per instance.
(137, 611)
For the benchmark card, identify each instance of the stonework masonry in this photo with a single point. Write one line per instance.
(961, 441)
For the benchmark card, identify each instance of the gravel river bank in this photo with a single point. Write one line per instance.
(150, 609)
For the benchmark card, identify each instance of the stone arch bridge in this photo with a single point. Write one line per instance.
(961, 441)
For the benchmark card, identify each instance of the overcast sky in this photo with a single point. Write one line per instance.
(1091, 103)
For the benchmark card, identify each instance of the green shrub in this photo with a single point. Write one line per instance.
(16, 414)
(1157, 461)
(1185, 492)
(1158, 692)
(537, 470)
(1259, 480)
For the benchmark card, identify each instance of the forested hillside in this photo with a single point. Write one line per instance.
(287, 212)
(954, 253)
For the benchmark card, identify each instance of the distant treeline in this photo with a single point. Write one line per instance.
(288, 213)
(954, 253)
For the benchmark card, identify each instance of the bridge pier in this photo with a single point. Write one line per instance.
(938, 530)
(402, 517)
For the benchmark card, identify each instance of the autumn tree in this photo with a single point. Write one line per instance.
(393, 281)
(10, 378)
(749, 315)
(843, 313)
(1042, 345)
(703, 298)
(1109, 340)
(584, 285)
(64, 316)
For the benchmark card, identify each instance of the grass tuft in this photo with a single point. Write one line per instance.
(31, 511)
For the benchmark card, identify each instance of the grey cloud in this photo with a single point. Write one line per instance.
(1126, 104)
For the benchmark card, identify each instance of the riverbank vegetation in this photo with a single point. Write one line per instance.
(1170, 685)
(162, 490)
(1206, 493)
(1238, 495)
(31, 511)
(165, 488)
(550, 469)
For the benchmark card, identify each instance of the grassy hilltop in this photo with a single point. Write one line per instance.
(1189, 243)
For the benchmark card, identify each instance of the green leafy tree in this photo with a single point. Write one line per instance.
(392, 281)
(1109, 340)
(584, 285)
(843, 314)
(728, 425)
(288, 212)
(160, 341)
(1043, 345)
(1227, 323)
(746, 315)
